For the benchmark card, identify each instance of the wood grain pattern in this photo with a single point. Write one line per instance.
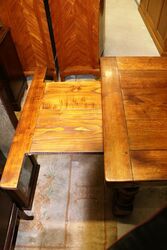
(69, 119)
(145, 63)
(23, 136)
(143, 79)
(147, 134)
(76, 31)
(116, 145)
(28, 24)
(143, 84)
(145, 103)
(149, 164)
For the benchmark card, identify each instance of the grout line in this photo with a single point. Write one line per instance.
(68, 201)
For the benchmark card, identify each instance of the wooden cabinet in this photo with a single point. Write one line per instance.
(78, 33)
(11, 72)
(29, 28)
(154, 14)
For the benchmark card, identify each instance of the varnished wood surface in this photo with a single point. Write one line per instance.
(24, 132)
(76, 27)
(116, 146)
(28, 24)
(57, 118)
(69, 119)
(151, 164)
(143, 83)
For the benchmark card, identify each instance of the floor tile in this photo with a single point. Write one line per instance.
(48, 227)
(86, 209)
(125, 31)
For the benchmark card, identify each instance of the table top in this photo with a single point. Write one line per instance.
(58, 117)
(67, 117)
(134, 102)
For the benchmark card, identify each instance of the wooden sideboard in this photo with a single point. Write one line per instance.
(154, 14)
(78, 32)
(29, 28)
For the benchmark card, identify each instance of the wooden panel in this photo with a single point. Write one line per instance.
(22, 139)
(143, 84)
(29, 31)
(155, 18)
(146, 103)
(162, 27)
(75, 115)
(147, 134)
(69, 119)
(116, 146)
(76, 32)
(154, 10)
(144, 3)
(149, 165)
(143, 79)
(17, 24)
(145, 63)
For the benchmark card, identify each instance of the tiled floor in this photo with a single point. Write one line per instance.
(72, 205)
(126, 33)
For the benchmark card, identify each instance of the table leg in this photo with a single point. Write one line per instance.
(123, 200)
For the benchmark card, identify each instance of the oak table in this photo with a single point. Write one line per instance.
(134, 103)
(67, 117)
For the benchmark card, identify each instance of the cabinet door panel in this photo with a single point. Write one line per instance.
(144, 3)
(162, 27)
(155, 18)
(154, 9)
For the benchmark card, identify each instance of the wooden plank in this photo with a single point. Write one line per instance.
(142, 63)
(70, 139)
(70, 119)
(92, 116)
(143, 79)
(149, 165)
(68, 132)
(72, 95)
(116, 147)
(71, 88)
(145, 103)
(146, 134)
(23, 136)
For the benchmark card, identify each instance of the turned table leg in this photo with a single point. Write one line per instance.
(123, 200)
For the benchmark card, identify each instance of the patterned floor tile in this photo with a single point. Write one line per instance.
(48, 227)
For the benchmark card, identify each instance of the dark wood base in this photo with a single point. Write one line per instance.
(123, 199)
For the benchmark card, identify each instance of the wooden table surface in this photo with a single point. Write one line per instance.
(58, 117)
(67, 117)
(134, 101)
